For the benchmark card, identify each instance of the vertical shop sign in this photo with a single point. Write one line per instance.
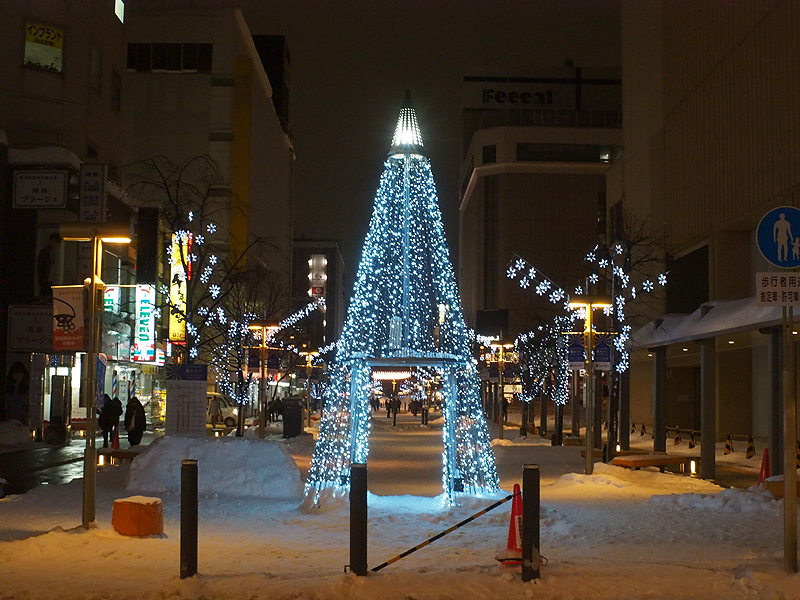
(100, 381)
(179, 256)
(68, 320)
(111, 299)
(93, 193)
(144, 348)
(317, 275)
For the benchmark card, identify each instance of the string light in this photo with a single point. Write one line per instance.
(405, 305)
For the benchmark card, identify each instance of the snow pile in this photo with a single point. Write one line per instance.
(12, 432)
(226, 466)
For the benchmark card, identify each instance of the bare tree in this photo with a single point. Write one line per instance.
(208, 266)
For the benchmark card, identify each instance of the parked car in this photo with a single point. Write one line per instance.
(230, 411)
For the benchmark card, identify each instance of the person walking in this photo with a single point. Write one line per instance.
(135, 421)
(215, 410)
(105, 420)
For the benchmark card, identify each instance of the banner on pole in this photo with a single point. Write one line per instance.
(68, 319)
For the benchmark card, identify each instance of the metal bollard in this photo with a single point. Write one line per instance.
(188, 518)
(358, 518)
(530, 522)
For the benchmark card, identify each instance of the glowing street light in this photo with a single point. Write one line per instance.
(267, 332)
(589, 303)
(96, 233)
(501, 366)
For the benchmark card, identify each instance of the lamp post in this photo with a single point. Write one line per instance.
(96, 233)
(589, 303)
(501, 365)
(263, 328)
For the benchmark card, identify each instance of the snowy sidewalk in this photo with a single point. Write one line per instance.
(616, 534)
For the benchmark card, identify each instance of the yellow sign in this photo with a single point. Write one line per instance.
(43, 46)
(179, 259)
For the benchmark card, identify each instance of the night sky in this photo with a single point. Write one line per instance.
(351, 62)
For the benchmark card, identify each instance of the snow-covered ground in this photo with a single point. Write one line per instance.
(615, 534)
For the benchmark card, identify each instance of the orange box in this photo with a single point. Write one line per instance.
(138, 515)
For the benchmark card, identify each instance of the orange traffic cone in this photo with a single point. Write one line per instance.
(692, 441)
(115, 439)
(765, 472)
(677, 438)
(644, 429)
(728, 444)
(751, 448)
(512, 555)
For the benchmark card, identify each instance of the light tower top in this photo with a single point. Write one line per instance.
(407, 137)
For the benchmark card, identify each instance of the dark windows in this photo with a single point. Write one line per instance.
(204, 58)
(171, 57)
(190, 57)
(564, 153)
(159, 58)
(489, 154)
(687, 284)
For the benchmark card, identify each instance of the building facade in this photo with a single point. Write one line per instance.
(710, 148)
(536, 153)
(60, 110)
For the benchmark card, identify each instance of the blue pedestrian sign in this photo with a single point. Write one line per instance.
(778, 237)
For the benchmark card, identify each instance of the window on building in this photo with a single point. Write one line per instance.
(687, 284)
(172, 57)
(190, 57)
(96, 69)
(43, 47)
(489, 154)
(116, 91)
(204, 58)
(590, 153)
(159, 58)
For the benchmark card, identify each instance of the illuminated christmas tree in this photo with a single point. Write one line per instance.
(405, 313)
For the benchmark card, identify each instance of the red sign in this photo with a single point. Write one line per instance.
(317, 291)
(68, 325)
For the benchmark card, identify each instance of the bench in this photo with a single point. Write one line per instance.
(598, 452)
(658, 459)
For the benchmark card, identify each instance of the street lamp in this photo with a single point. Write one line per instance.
(263, 327)
(501, 365)
(96, 233)
(589, 303)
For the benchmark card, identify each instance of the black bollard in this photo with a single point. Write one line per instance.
(358, 518)
(530, 522)
(188, 518)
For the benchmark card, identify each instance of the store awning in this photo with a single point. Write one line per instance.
(712, 319)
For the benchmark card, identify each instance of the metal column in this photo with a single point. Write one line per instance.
(659, 399)
(708, 416)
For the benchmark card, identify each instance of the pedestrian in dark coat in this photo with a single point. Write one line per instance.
(105, 419)
(135, 421)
